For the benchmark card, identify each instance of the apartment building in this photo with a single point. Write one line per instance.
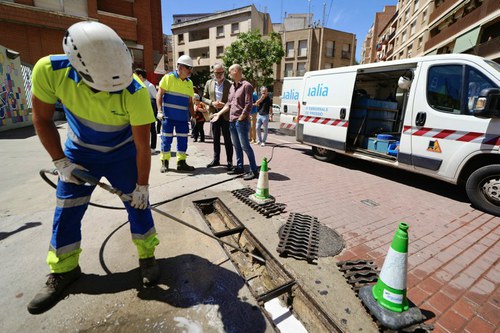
(204, 37)
(470, 26)
(369, 51)
(425, 27)
(35, 28)
(310, 47)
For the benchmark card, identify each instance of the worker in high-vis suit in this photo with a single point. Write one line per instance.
(175, 108)
(109, 114)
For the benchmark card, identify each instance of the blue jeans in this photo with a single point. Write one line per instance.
(240, 136)
(262, 120)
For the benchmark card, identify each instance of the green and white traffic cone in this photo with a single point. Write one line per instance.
(390, 290)
(387, 300)
(262, 195)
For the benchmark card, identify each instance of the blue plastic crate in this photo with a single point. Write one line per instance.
(381, 146)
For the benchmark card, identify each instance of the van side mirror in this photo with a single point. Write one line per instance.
(487, 104)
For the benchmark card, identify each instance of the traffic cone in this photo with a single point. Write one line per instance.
(261, 194)
(387, 299)
(390, 290)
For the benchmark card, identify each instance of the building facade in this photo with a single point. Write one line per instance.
(35, 28)
(425, 27)
(369, 51)
(204, 37)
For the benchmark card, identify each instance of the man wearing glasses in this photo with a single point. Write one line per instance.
(215, 96)
(175, 107)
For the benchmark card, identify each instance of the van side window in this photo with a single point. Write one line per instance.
(444, 88)
(475, 83)
(447, 92)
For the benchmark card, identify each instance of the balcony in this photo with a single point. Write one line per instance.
(488, 48)
(463, 23)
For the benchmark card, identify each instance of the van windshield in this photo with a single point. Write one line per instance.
(493, 64)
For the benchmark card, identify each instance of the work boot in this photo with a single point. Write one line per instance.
(164, 166)
(150, 271)
(183, 166)
(48, 296)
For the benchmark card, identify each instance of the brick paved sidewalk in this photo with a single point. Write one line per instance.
(453, 258)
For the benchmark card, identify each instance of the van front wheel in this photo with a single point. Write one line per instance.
(483, 189)
(323, 154)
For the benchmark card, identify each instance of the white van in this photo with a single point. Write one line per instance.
(292, 88)
(436, 115)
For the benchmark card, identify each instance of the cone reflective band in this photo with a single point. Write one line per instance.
(390, 290)
(262, 191)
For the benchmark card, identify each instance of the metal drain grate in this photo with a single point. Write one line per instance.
(267, 209)
(359, 273)
(300, 237)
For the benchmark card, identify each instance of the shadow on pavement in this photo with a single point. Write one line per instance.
(18, 133)
(27, 225)
(419, 181)
(187, 280)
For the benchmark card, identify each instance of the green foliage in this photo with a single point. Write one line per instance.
(199, 79)
(256, 55)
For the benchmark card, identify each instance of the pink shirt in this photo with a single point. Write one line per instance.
(240, 100)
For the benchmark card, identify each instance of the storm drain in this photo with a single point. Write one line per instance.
(268, 209)
(299, 237)
(269, 282)
(360, 273)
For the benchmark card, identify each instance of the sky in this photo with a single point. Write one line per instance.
(354, 16)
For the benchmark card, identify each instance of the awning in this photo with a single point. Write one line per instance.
(467, 40)
(160, 69)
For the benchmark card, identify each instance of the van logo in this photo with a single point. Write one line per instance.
(319, 90)
(291, 94)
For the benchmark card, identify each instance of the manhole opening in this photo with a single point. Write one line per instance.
(268, 282)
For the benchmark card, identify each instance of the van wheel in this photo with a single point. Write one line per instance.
(323, 154)
(483, 189)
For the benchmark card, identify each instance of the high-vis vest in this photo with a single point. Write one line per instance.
(99, 123)
(175, 104)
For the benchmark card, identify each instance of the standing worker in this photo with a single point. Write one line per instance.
(141, 73)
(109, 115)
(175, 107)
(265, 109)
(215, 96)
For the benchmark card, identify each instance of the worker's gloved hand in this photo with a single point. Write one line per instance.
(159, 116)
(140, 197)
(65, 167)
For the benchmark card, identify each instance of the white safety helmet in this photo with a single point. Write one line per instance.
(99, 55)
(404, 82)
(185, 60)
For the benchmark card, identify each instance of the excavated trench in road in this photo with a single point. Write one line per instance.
(280, 297)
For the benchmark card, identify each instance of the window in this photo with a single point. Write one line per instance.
(346, 51)
(301, 68)
(401, 54)
(424, 16)
(409, 51)
(235, 28)
(220, 51)
(403, 37)
(220, 31)
(445, 88)
(289, 50)
(181, 54)
(180, 39)
(330, 48)
(302, 48)
(420, 41)
(328, 65)
(412, 27)
(407, 14)
(415, 5)
(289, 69)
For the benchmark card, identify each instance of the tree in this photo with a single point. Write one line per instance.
(256, 55)
(199, 79)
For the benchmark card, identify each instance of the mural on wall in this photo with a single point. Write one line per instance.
(13, 106)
